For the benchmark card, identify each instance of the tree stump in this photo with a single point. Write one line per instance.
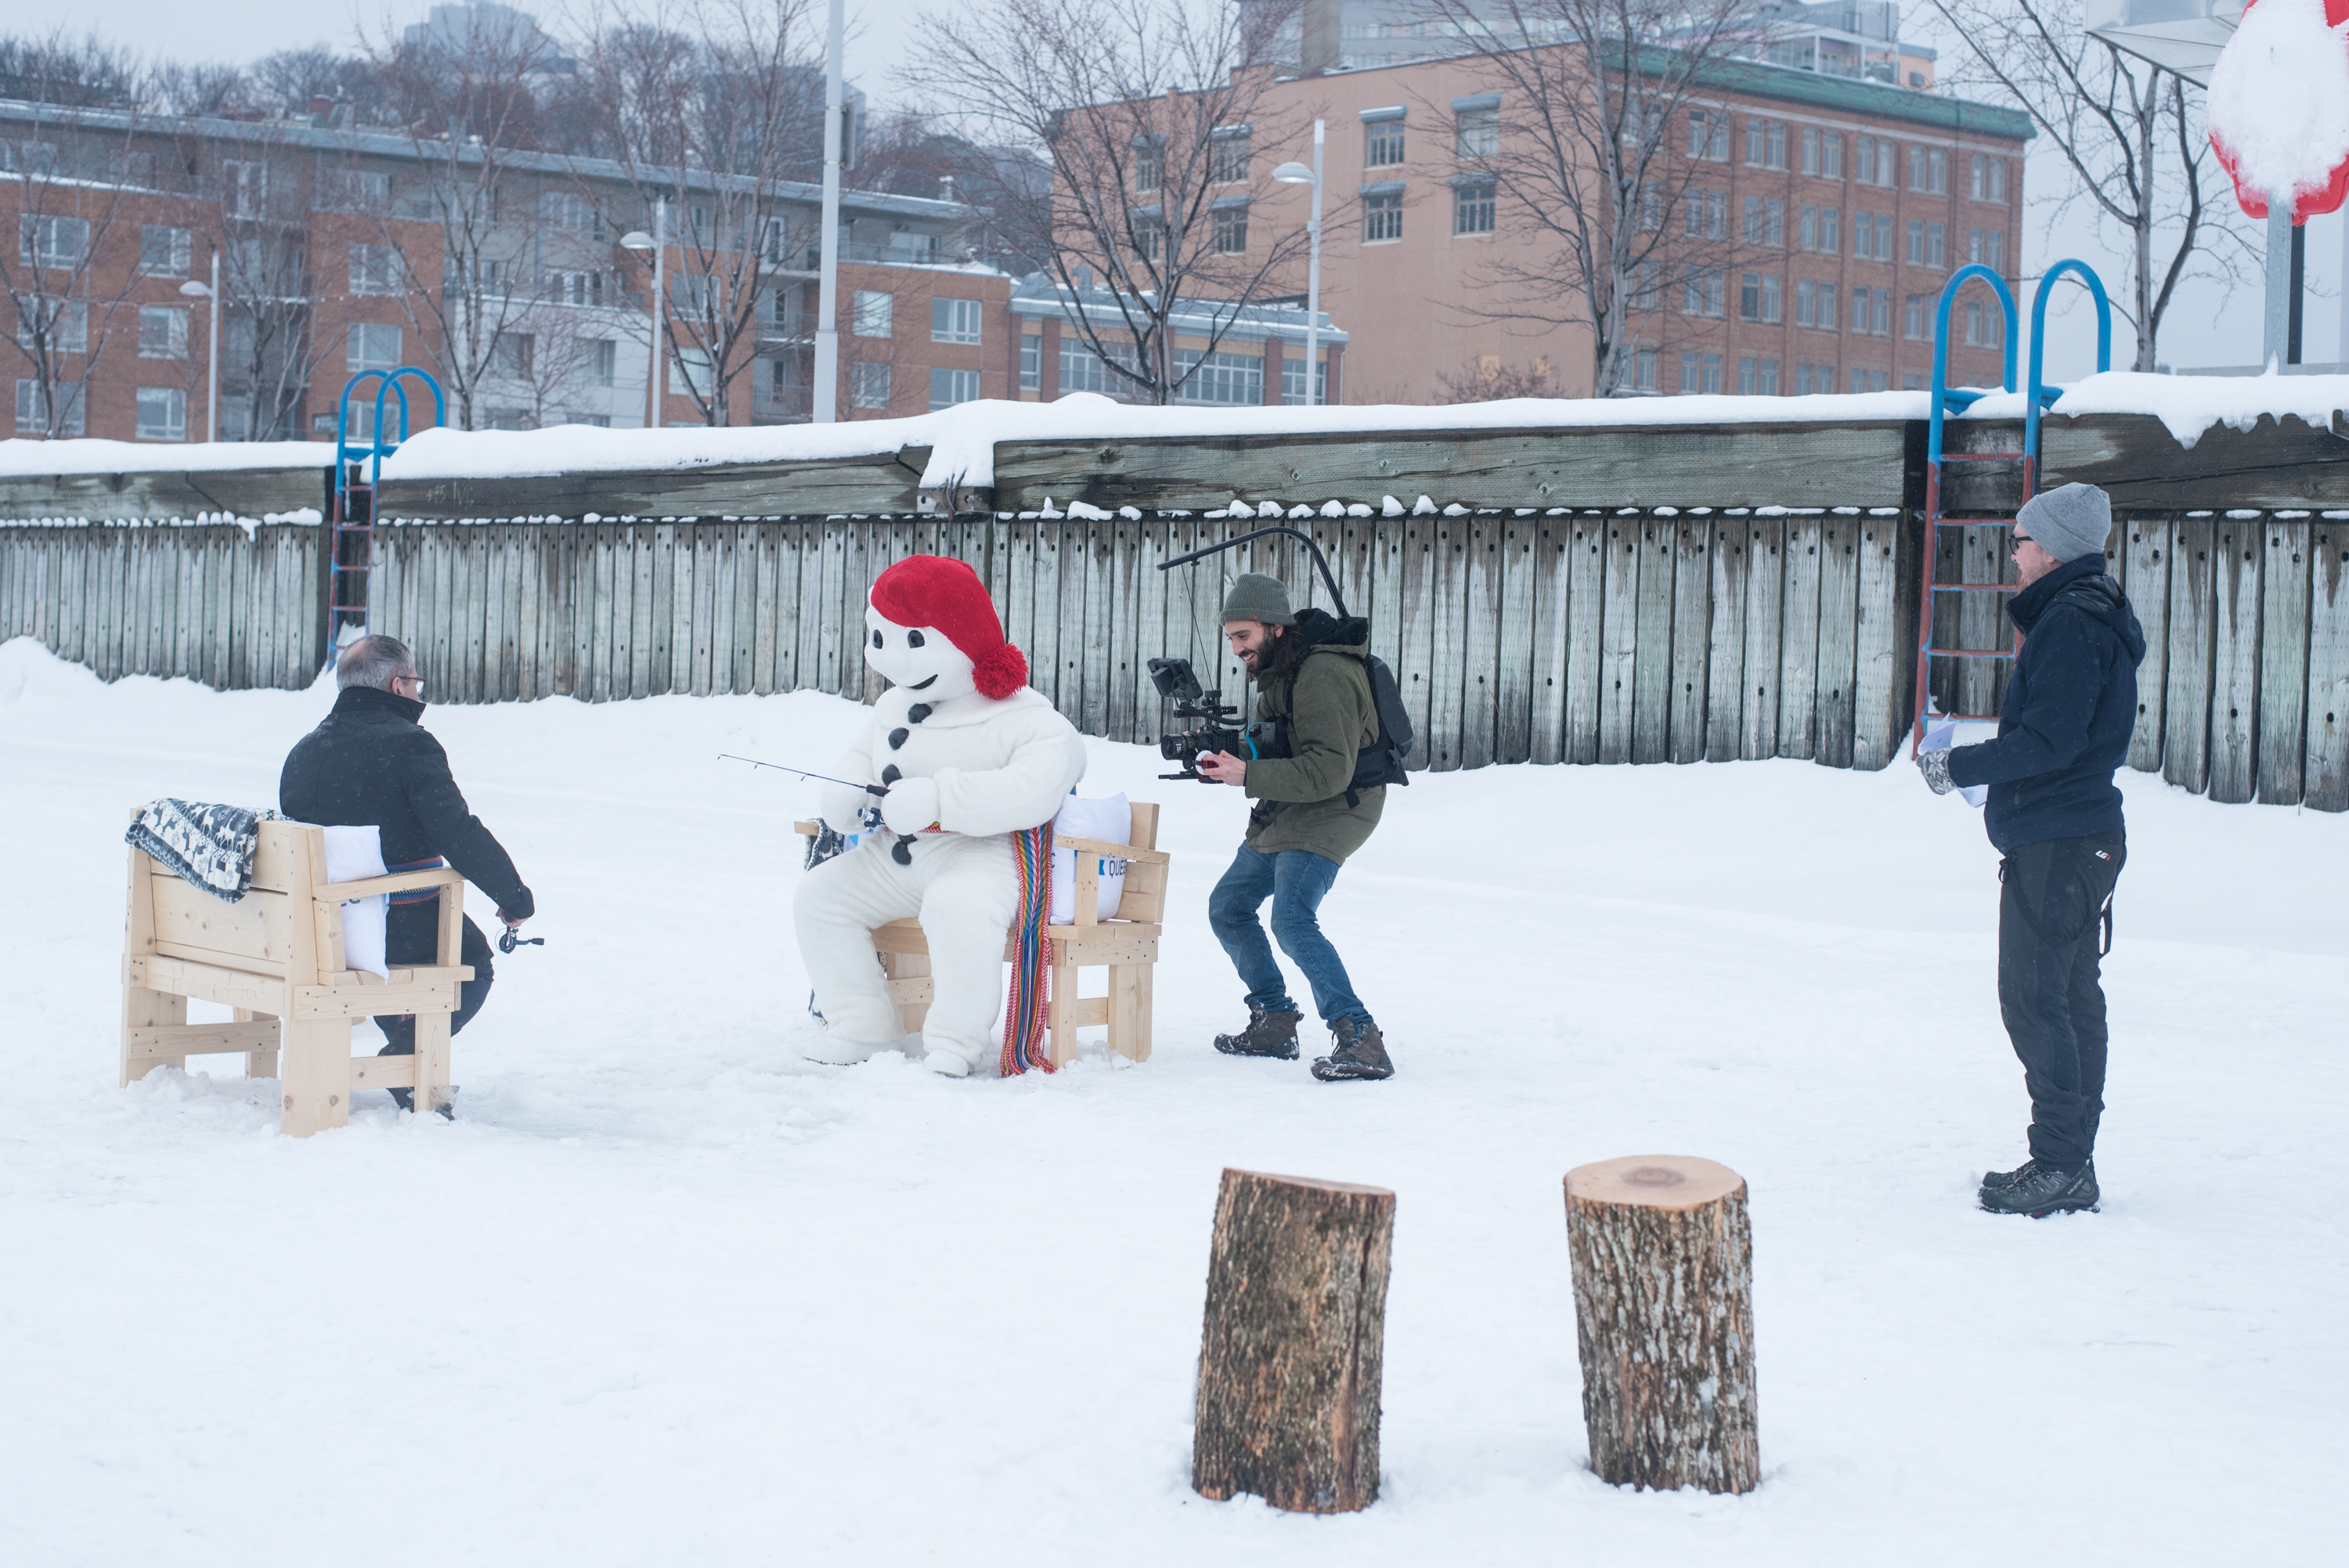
(1663, 1315)
(1290, 1359)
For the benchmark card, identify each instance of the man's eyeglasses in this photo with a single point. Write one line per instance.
(416, 681)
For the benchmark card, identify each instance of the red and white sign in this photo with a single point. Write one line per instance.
(2279, 107)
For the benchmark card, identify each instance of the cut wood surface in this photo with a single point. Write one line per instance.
(1291, 1352)
(1664, 1308)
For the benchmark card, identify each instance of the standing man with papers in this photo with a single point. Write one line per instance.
(2054, 815)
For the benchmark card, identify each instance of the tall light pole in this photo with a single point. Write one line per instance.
(195, 290)
(1297, 174)
(657, 243)
(826, 390)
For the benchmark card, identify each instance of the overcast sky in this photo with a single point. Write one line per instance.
(2203, 328)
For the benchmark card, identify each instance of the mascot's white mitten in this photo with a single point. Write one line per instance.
(970, 755)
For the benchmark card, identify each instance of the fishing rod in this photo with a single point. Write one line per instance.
(1318, 559)
(872, 790)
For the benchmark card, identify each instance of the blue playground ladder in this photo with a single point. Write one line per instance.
(1947, 400)
(354, 519)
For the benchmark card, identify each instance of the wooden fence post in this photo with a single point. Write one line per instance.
(1290, 1355)
(1663, 1311)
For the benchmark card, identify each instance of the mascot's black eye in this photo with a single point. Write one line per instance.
(876, 639)
(912, 639)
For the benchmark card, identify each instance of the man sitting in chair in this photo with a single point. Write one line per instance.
(371, 764)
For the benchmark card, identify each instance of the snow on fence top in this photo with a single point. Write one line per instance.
(962, 440)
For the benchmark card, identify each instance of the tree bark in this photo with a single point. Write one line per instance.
(1289, 1359)
(1663, 1311)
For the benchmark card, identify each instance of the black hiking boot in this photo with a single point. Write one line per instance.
(1994, 1181)
(1267, 1034)
(1360, 1052)
(2039, 1190)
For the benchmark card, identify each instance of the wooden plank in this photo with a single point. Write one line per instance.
(645, 547)
(875, 482)
(1449, 572)
(1838, 638)
(495, 565)
(2327, 752)
(1766, 572)
(1981, 621)
(1884, 680)
(1131, 556)
(159, 494)
(1625, 553)
(1651, 673)
(1099, 567)
(710, 597)
(1547, 567)
(1050, 612)
(481, 558)
(1075, 563)
(1584, 539)
(763, 607)
(2237, 556)
(1506, 600)
(2277, 464)
(789, 542)
(2193, 635)
(1149, 629)
(2283, 717)
(1798, 642)
(527, 573)
(832, 588)
(746, 542)
(1416, 595)
(667, 562)
(1725, 702)
(168, 1041)
(1685, 692)
(2145, 555)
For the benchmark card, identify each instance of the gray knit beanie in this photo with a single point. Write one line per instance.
(1256, 597)
(2069, 521)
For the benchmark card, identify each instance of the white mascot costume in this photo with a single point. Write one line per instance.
(971, 755)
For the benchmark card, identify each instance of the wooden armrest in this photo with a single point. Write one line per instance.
(807, 829)
(369, 887)
(1114, 852)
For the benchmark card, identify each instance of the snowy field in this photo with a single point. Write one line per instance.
(666, 1293)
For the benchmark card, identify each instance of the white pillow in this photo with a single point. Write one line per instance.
(1109, 821)
(354, 854)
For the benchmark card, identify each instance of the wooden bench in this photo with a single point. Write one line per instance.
(276, 956)
(1126, 944)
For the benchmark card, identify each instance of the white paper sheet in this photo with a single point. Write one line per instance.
(354, 854)
(1940, 734)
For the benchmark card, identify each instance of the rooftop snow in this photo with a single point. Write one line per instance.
(37, 458)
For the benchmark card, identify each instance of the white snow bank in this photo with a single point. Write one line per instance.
(2278, 104)
(2189, 405)
(19, 457)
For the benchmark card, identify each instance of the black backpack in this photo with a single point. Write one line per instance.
(1381, 761)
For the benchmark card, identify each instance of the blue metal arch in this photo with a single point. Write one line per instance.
(2039, 398)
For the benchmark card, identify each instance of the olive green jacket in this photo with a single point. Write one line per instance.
(1301, 797)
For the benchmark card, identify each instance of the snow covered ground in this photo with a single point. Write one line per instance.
(667, 1294)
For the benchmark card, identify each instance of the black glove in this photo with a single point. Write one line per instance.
(1935, 766)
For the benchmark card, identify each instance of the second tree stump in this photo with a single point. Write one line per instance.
(1290, 1359)
(1663, 1316)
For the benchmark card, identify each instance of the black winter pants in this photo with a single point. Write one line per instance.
(2049, 992)
(412, 936)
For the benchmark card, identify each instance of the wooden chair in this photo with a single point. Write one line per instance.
(1126, 944)
(275, 956)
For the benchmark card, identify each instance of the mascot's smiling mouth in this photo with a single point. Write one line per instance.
(924, 685)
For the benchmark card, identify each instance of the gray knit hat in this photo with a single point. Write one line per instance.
(1256, 597)
(2069, 521)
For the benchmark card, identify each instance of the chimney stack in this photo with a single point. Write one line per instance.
(1318, 20)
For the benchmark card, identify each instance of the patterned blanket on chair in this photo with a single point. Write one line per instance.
(210, 846)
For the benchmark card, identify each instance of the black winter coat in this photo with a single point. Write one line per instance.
(371, 764)
(2070, 709)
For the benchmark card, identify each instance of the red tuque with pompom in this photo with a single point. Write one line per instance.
(946, 595)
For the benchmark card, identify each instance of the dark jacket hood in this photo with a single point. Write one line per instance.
(374, 699)
(2083, 585)
(1317, 628)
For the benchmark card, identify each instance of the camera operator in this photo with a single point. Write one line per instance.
(1306, 820)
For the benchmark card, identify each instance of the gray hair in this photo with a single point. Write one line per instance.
(372, 662)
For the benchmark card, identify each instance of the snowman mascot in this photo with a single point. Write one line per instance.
(971, 755)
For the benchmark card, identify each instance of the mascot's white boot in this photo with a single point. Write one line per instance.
(970, 755)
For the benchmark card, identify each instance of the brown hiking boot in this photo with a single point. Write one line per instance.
(1267, 1034)
(1361, 1053)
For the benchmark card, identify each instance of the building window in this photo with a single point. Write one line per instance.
(1759, 299)
(512, 355)
(948, 388)
(1382, 215)
(1765, 222)
(1815, 304)
(1765, 143)
(1928, 170)
(1875, 157)
(607, 360)
(1476, 132)
(372, 345)
(1472, 211)
(1082, 371)
(1924, 244)
(870, 315)
(1646, 285)
(1871, 236)
(1985, 327)
(1700, 372)
(1149, 166)
(162, 414)
(1918, 318)
(568, 210)
(58, 414)
(1804, 383)
(375, 270)
(1757, 378)
(1701, 290)
(1868, 380)
(1705, 214)
(953, 321)
(1987, 180)
(1226, 378)
(1988, 247)
(64, 324)
(1708, 136)
(1823, 153)
(1148, 239)
(571, 285)
(245, 187)
(1227, 162)
(1031, 362)
(1871, 311)
(1822, 230)
(868, 385)
(1292, 380)
(1382, 143)
(162, 251)
(162, 332)
(1229, 237)
(46, 242)
(358, 190)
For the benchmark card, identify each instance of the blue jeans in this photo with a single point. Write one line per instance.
(1296, 881)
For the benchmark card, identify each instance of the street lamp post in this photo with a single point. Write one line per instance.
(657, 243)
(1297, 174)
(825, 405)
(194, 290)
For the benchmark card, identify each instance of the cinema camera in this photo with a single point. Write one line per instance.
(1222, 730)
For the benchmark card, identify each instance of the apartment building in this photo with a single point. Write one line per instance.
(1237, 355)
(1823, 214)
(343, 250)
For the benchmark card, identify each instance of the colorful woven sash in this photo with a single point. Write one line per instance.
(415, 894)
(1024, 1010)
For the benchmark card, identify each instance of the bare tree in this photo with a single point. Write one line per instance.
(2131, 137)
(1609, 114)
(1154, 141)
(67, 201)
(712, 108)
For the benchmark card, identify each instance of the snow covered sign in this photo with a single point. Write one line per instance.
(2279, 107)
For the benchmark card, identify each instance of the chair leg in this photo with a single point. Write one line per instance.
(431, 1062)
(1129, 1010)
(146, 1009)
(316, 1076)
(261, 1064)
(1062, 1044)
